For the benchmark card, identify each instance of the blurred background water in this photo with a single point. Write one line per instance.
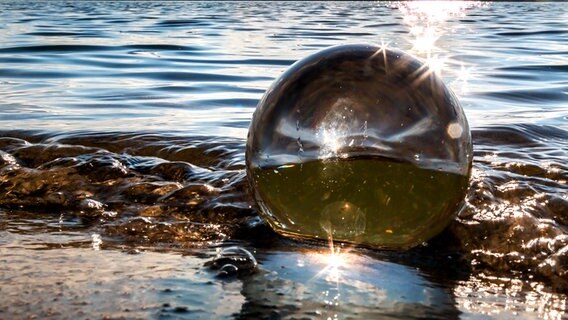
(122, 132)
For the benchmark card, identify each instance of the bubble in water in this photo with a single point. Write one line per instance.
(233, 261)
(368, 144)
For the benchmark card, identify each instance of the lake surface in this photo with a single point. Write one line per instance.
(122, 134)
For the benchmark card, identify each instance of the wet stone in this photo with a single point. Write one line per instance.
(176, 171)
(192, 195)
(149, 192)
(58, 198)
(103, 168)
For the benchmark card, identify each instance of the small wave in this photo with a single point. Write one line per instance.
(562, 68)
(541, 95)
(532, 33)
(60, 34)
(184, 23)
(10, 73)
(189, 76)
(162, 47)
(213, 88)
(76, 48)
(61, 48)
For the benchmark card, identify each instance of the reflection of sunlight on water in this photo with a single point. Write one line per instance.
(434, 11)
(425, 39)
(334, 263)
(96, 241)
(508, 297)
(463, 78)
(428, 22)
(436, 64)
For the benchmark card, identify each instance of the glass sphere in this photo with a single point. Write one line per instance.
(360, 144)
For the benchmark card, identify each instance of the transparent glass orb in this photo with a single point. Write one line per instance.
(361, 144)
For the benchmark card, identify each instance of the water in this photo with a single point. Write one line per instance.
(122, 138)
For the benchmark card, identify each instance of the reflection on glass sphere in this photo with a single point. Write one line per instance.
(361, 144)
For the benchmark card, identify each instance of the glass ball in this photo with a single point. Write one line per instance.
(359, 144)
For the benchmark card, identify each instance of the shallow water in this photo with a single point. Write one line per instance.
(122, 138)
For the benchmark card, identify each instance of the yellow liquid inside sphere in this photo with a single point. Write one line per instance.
(368, 201)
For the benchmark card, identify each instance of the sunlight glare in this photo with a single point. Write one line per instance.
(334, 263)
(435, 64)
(335, 260)
(425, 39)
(331, 142)
(428, 22)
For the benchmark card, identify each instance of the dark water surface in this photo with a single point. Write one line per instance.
(122, 133)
